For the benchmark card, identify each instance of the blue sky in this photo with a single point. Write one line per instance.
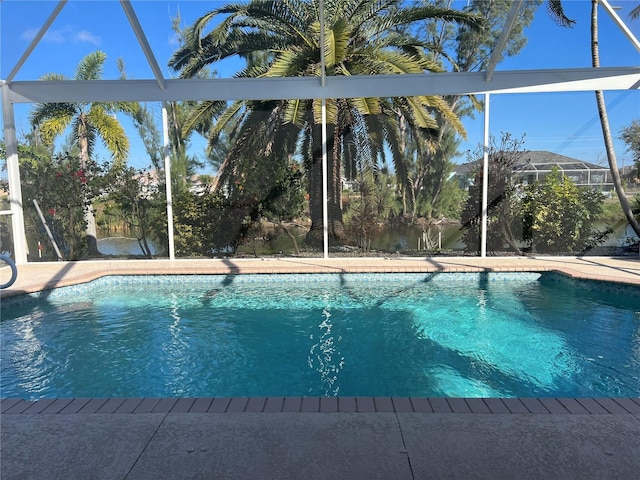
(564, 123)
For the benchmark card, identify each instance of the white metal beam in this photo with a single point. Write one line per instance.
(502, 40)
(325, 184)
(620, 23)
(167, 181)
(142, 40)
(529, 81)
(36, 40)
(485, 179)
(13, 173)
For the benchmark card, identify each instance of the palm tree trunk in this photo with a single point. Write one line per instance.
(606, 129)
(89, 217)
(315, 235)
(334, 148)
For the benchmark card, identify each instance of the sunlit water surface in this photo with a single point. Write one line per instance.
(453, 335)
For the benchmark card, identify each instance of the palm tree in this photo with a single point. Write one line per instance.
(89, 122)
(282, 39)
(606, 129)
(555, 9)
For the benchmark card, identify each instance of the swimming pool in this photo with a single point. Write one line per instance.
(447, 334)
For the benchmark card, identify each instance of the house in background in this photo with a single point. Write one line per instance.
(537, 164)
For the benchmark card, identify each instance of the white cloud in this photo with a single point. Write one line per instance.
(29, 34)
(55, 36)
(85, 36)
(63, 35)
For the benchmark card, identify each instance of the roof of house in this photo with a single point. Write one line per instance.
(543, 160)
(540, 160)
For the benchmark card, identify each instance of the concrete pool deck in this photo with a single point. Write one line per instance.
(309, 438)
(147, 442)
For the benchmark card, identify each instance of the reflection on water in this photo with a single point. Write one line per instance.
(123, 246)
(325, 358)
(400, 238)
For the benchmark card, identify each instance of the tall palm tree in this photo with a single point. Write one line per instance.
(282, 39)
(606, 129)
(89, 122)
(555, 9)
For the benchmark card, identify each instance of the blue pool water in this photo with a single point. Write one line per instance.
(453, 335)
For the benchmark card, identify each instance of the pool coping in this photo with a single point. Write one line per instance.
(41, 276)
(228, 405)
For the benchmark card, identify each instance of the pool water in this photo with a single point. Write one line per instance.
(451, 335)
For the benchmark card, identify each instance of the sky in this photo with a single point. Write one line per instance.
(565, 123)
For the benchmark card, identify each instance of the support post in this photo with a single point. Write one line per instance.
(325, 188)
(167, 178)
(13, 173)
(485, 178)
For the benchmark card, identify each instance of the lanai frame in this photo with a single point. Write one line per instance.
(160, 89)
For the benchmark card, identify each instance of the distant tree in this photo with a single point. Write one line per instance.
(502, 199)
(631, 136)
(370, 207)
(145, 120)
(135, 193)
(286, 201)
(606, 128)
(451, 200)
(432, 169)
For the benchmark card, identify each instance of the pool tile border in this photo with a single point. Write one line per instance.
(600, 270)
(537, 406)
(493, 276)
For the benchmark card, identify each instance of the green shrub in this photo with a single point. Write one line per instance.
(559, 217)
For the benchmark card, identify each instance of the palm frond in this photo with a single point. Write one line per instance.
(367, 106)
(228, 116)
(46, 111)
(443, 108)
(91, 66)
(331, 111)
(556, 12)
(203, 112)
(50, 128)
(287, 64)
(296, 112)
(110, 131)
(53, 77)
